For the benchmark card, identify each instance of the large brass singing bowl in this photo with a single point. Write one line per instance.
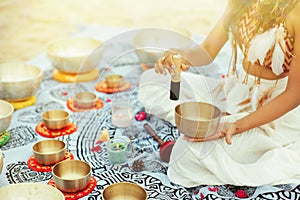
(19, 81)
(150, 44)
(75, 55)
(71, 175)
(49, 152)
(56, 119)
(124, 190)
(197, 119)
(30, 191)
(6, 113)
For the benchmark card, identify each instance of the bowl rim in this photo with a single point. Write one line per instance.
(128, 183)
(51, 45)
(66, 179)
(95, 97)
(55, 120)
(57, 191)
(206, 103)
(44, 153)
(11, 111)
(38, 76)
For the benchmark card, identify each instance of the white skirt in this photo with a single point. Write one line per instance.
(269, 154)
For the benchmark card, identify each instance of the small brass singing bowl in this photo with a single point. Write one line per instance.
(32, 191)
(124, 190)
(114, 80)
(49, 152)
(85, 100)
(56, 119)
(71, 175)
(197, 119)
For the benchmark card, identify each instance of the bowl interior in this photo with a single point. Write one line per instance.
(71, 170)
(17, 72)
(32, 191)
(6, 109)
(73, 47)
(55, 115)
(124, 190)
(49, 147)
(85, 97)
(197, 111)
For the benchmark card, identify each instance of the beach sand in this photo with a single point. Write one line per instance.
(27, 26)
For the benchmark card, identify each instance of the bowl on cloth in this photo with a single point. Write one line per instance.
(6, 113)
(85, 100)
(124, 190)
(32, 191)
(56, 119)
(19, 81)
(75, 55)
(71, 175)
(150, 44)
(49, 152)
(197, 119)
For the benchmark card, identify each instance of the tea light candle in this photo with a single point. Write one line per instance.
(117, 151)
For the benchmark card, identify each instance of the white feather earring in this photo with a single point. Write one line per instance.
(279, 50)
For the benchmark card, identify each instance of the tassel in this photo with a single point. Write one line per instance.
(260, 45)
(279, 50)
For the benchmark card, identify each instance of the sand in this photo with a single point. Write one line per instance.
(27, 26)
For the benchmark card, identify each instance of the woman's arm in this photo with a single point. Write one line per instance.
(287, 100)
(201, 54)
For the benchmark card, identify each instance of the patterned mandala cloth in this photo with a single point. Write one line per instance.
(143, 166)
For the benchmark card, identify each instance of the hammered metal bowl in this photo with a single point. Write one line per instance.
(56, 119)
(49, 152)
(30, 191)
(75, 55)
(150, 44)
(6, 113)
(19, 81)
(71, 175)
(85, 100)
(114, 80)
(197, 119)
(124, 190)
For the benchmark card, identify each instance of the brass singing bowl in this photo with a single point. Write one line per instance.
(30, 191)
(114, 80)
(56, 119)
(1, 161)
(85, 100)
(124, 190)
(150, 44)
(49, 152)
(75, 55)
(19, 81)
(6, 113)
(71, 175)
(197, 119)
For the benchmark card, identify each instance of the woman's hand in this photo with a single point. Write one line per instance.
(166, 63)
(228, 129)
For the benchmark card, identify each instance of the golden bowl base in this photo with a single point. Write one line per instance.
(74, 78)
(23, 104)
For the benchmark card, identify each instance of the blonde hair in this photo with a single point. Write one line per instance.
(270, 12)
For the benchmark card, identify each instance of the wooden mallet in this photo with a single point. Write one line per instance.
(165, 148)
